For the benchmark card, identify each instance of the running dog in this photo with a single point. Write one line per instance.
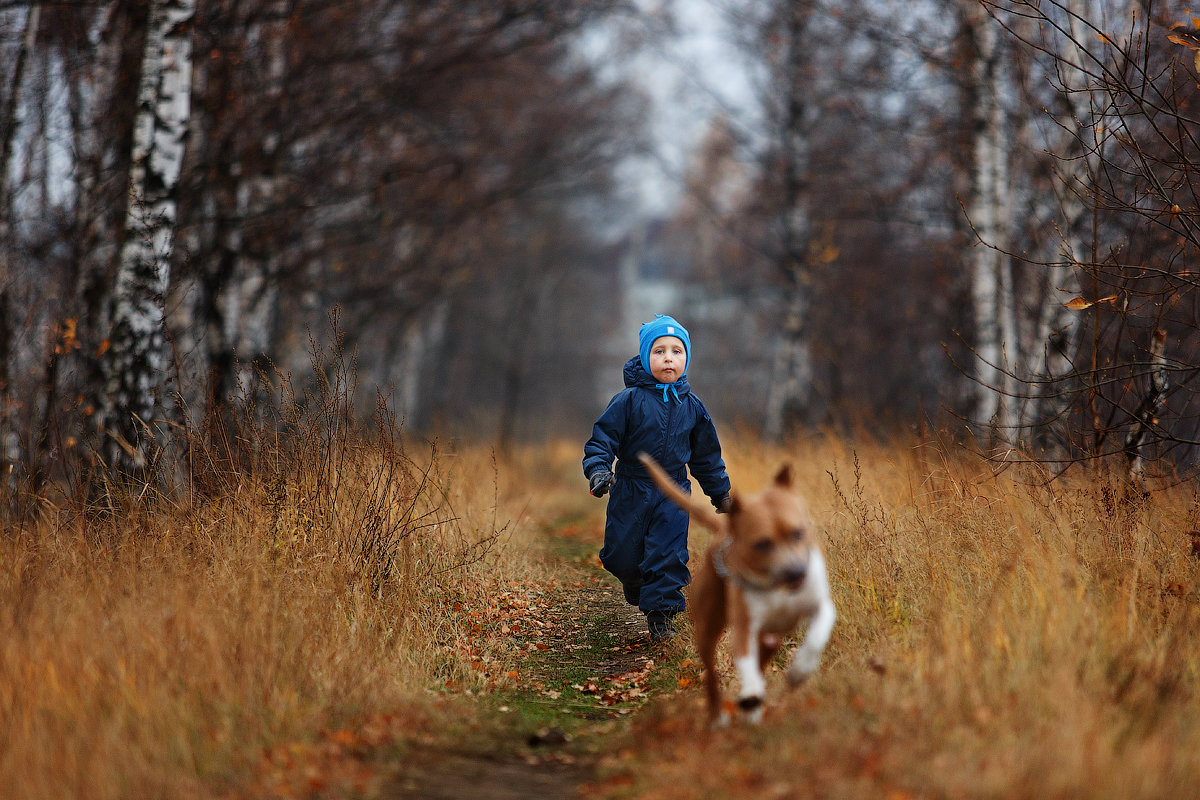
(763, 575)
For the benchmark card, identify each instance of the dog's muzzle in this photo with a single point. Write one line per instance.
(792, 576)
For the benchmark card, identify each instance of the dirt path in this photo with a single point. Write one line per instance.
(589, 666)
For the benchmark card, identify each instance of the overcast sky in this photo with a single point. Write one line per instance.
(689, 77)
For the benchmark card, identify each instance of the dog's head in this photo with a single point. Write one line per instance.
(771, 535)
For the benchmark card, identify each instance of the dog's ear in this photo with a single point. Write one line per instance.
(783, 478)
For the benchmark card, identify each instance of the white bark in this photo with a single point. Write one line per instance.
(791, 382)
(246, 302)
(790, 394)
(989, 208)
(1059, 329)
(138, 357)
(10, 443)
(1147, 411)
(225, 315)
(421, 338)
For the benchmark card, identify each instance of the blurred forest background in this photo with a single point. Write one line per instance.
(967, 215)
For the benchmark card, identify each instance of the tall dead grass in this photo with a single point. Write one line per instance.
(156, 647)
(999, 635)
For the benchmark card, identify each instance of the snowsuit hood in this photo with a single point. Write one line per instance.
(636, 375)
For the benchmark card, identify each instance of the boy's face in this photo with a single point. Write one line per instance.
(668, 359)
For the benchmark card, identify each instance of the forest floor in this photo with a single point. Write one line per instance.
(588, 666)
(998, 636)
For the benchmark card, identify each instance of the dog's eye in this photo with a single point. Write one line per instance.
(764, 545)
(798, 535)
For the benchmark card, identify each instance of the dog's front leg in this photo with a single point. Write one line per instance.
(745, 652)
(807, 655)
(753, 685)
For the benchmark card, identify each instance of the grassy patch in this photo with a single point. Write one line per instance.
(998, 636)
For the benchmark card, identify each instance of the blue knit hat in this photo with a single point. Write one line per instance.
(657, 328)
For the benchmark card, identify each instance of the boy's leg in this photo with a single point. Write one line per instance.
(623, 550)
(664, 565)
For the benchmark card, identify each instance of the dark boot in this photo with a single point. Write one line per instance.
(633, 592)
(659, 623)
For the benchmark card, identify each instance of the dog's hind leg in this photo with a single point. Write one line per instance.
(768, 646)
(712, 682)
(707, 626)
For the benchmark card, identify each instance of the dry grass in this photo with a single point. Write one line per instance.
(168, 647)
(998, 636)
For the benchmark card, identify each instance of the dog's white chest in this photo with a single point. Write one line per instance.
(776, 610)
(780, 610)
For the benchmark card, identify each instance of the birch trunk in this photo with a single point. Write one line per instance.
(790, 395)
(791, 381)
(10, 449)
(1147, 411)
(242, 331)
(239, 304)
(10, 443)
(1059, 329)
(137, 359)
(424, 335)
(989, 208)
(224, 303)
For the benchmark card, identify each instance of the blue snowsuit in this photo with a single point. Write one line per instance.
(645, 536)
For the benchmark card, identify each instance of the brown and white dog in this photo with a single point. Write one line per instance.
(763, 575)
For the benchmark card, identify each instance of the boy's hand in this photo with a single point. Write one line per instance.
(600, 482)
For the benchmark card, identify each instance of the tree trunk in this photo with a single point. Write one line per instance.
(10, 450)
(137, 358)
(989, 208)
(9, 440)
(791, 383)
(790, 398)
(423, 335)
(1059, 328)
(1147, 411)
(225, 288)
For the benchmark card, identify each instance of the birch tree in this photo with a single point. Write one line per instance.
(225, 284)
(1080, 140)
(9, 441)
(1124, 142)
(1058, 330)
(989, 210)
(1145, 416)
(137, 358)
(369, 154)
(790, 395)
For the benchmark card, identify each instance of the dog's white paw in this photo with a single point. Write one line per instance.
(804, 663)
(751, 707)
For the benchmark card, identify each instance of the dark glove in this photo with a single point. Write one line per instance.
(722, 503)
(600, 482)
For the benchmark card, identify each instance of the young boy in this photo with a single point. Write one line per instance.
(645, 535)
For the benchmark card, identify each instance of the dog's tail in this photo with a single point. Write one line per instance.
(698, 511)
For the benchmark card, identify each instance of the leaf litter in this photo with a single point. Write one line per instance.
(570, 649)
